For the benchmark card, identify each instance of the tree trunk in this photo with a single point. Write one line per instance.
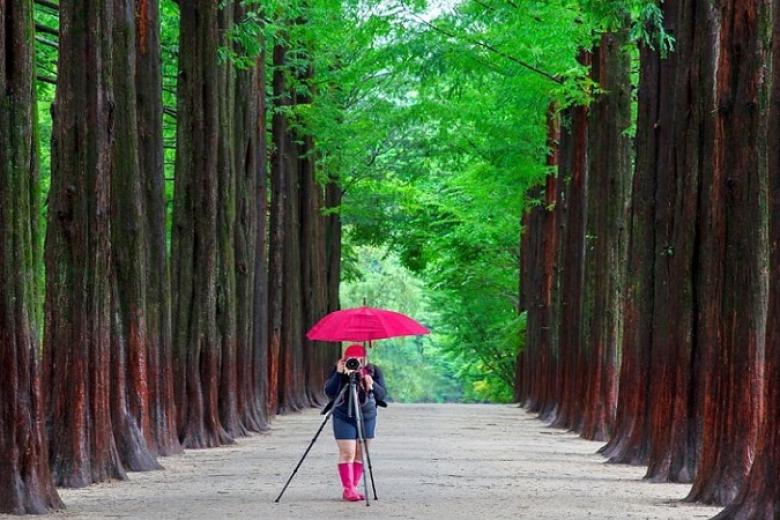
(539, 363)
(521, 389)
(251, 276)
(148, 84)
(333, 198)
(732, 365)
(759, 497)
(314, 275)
(573, 170)
(26, 484)
(292, 378)
(654, 176)
(195, 246)
(548, 405)
(77, 344)
(608, 181)
(685, 136)
(227, 205)
(129, 377)
(533, 290)
(278, 228)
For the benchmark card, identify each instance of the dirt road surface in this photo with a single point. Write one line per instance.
(450, 462)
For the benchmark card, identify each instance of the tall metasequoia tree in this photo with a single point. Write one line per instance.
(299, 278)
(547, 402)
(292, 376)
(531, 278)
(277, 231)
(250, 242)
(241, 170)
(522, 383)
(654, 176)
(148, 85)
(759, 496)
(679, 328)
(314, 267)
(130, 406)
(26, 484)
(333, 197)
(195, 246)
(608, 181)
(734, 237)
(573, 172)
(77, 341)
(539, 363)
(227, 303)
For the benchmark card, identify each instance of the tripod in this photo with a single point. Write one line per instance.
(352, 407)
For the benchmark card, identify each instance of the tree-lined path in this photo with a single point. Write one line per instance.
(579, 198)
(449, 462)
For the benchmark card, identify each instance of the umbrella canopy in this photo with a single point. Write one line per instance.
(364, 324)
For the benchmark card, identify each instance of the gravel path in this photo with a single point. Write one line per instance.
(430, 461)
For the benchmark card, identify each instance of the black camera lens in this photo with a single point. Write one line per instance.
(353, 364)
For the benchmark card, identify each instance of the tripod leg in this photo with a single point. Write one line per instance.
(368, 458)
(322, 426)
(361, 434)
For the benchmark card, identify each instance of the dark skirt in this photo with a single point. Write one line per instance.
(345, 428)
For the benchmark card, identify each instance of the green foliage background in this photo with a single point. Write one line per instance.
(431, 115)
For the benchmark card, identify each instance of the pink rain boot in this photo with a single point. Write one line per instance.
(357, 472)
(345, 472)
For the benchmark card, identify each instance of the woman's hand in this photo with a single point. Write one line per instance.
(368, 382)
(341, 366)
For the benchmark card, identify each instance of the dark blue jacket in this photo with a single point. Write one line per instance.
(336, 382)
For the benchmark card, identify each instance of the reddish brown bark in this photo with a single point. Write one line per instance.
(129, 379)
(608, 181)
(194, 276)
(573, 171)
(314, 276)
(759, 497)
(26, 484)
(277, 228)
(521, 389)
(333, 197)
(332, 208)
(227, 205)
(539, 363)
(249, 151)
(678, 328)
(292, 377)
(548, 404)
(78, 257)
(732, 364)
(654, 176)
(148, 81)
(532, 289)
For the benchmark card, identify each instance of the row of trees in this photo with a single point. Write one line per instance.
(651, 289)
(153, 341)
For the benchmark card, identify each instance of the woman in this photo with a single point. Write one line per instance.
(371, 391)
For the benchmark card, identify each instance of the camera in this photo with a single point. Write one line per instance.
(352, 364)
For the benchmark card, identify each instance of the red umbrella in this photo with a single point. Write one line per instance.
(364, 324)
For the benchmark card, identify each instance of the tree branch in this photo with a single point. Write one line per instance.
(45, 41)
(48, 4)
(492, 49)
(47, 79)
(39, 27)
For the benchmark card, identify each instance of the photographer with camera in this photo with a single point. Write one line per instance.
(371, 393)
